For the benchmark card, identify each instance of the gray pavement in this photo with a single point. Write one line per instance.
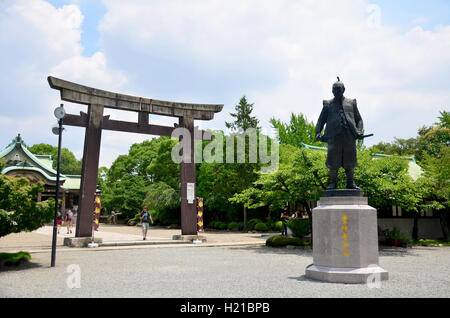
(123, 236)
(192, 271)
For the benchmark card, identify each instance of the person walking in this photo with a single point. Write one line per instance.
(59, 221)
(146, 218)
(284, 217)
(68, 220)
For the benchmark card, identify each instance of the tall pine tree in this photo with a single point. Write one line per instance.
(243, 118)
(243, 121)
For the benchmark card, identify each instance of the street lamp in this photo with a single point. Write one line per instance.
(59, 114)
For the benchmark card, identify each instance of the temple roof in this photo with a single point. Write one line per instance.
(414, 170)
(19, 158)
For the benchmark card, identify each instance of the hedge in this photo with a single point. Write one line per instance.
(261, 227)
(281, 241)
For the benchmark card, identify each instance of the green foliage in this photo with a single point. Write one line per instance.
(282, 241)
(162, 168)
(69, 164)
(261, 227)
(299, 227)
(277, 226)
(400, 147)
(298, 131)
(2, 163)
(169, 216)
(218, 182)
(251, 223)
(243, 118)
(233, 226)
(437, 179)
(301, 178)
(14, 258)
(393, 234)
(386, 182)
(126, 195)
(161, 196)
(145, 173)
(19, 210)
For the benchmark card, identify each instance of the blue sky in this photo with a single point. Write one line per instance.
(283, 55)
(403, 13)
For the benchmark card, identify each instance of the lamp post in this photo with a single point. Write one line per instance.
(59, 114)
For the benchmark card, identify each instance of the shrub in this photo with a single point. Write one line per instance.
(281, 241)
(277, 226)
(233, 226)
(299, 227)
(169, 216)
(14, 258)
(19, 210)
(251, 223)
(261, 227)
(223, 226)
(155, 215)
(212, 225)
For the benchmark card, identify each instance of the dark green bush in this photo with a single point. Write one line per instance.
(277, 226)
(212, 225)
(14, 258)
(299, 227)
(251, 223)
(233, 226)
(281, 241)
(222, 226)
(169, 216)
(261, 227)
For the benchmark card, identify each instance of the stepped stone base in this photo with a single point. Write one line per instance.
(80, 241)
(188, 238)
(347, 275)
(345, 240)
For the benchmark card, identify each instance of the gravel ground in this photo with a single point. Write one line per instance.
(225, 272)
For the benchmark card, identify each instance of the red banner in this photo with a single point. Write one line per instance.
(97, 209)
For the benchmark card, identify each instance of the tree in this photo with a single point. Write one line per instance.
(401, 147)
(19, 210)
(243, 118)
(431, 139)
(298, 131)
(164, 202)
(436, 181)
(125, 195)
(69, 163)
(386, 182)
(300, 179)
(125, 184)
(243, 122)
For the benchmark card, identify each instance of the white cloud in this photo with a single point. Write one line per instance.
(284, 55)
(301, 45)
(37, 40)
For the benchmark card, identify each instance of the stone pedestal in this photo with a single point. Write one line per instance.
(80, 241)
(345, 240)
(189, 238)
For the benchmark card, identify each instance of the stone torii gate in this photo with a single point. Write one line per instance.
(95, 122)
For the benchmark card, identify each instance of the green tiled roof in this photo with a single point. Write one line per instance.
(414, 170)
(41, 164)
(72, 182)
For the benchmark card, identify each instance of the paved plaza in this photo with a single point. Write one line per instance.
(226, 268)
